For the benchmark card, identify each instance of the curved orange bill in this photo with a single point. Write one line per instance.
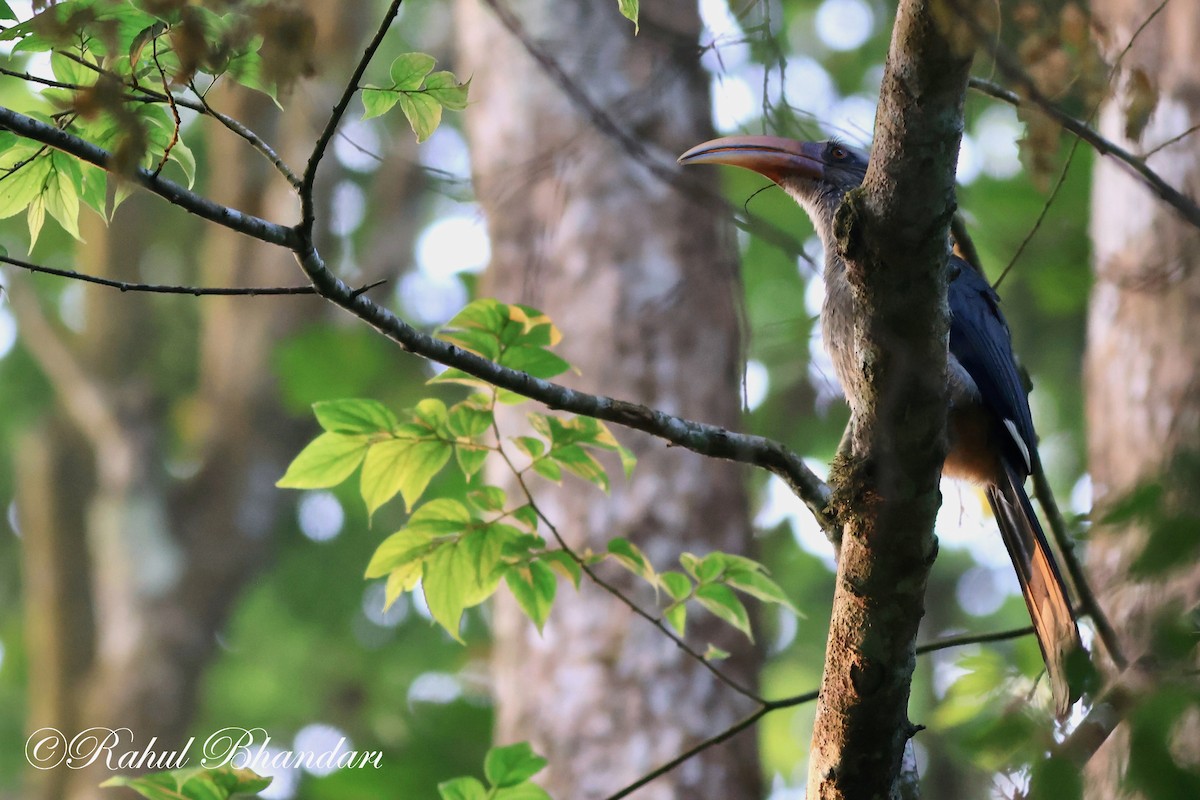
(771, 156)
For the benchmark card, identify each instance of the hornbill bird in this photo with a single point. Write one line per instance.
(992, 440)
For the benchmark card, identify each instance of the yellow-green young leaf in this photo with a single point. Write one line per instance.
(676, 616)
(182, 155)
(530, 445)
(508, 766)
(536, 361)
(424, 113)
(354, 416)
(714, 653)
(487, 498)
(401, 580)
(445, 88)
(628, 555)
(579, 461)
(689, 562)
(469, 420)
(19, 188)
(193, 783)
(432, 413)
(534, 588)
(35, 218)
(377, 102)
(522, 791)
(757, 584)
(710, 567)
(465, 788)
(470, 458)
(453, 375)
(401, 465)
(527, 516)
(722, 602)
(629, 10)
(408, 71)
(462, 574)
(326, 461)
(548, 470)
(677, 585)
(404, 547)
(562, 563)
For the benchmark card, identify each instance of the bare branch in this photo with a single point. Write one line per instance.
(160, 288)
(335, 119)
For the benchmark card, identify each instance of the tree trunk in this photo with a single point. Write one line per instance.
(641, 279)
(1142, 372)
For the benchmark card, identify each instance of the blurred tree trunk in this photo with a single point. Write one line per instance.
(1143, 372)
(642, 281)
(146, 496)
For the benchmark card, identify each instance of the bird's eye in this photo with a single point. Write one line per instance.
(838, 152)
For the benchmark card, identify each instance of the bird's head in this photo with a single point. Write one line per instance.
(816, 174)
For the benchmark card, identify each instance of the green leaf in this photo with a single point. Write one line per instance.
(582, 463)
(377, 102)
(710, 567)
(193, 783)
(62, 192)
(437, 518)
(677, 585)
(25, 175)
(469, 420)
(408, 71)
(530, 445)
(721, 601)
(470, 458)
(534, 588)
(488, 498)
(445, 88)
(628, 555)
(548, 470)
(536, 361)
(466, 788)
(714, 653)
(629, 10)
(6, 12)
(424, 113)
(562, 563)
(511, 765)
(522, 791)
(401, 465)
(326, 461)
(758, 585)
(354, 416)
(464, 573)
(676, 616)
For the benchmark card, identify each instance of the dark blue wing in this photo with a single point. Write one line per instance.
(980, 340)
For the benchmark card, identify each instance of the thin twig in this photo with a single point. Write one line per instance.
(1011, 68)
(335, 118)
(160, 288)
(695, 655)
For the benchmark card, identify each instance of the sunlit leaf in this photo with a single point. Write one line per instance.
(721, 601)
(377, 102)
(676, 616)
(408, 71)
(465, 788)
(677, 584)
(629, 10)
(326, 461)
(354, 416)
(534, 587)
(508, 766)
(424, 113)
(193, 783)
(403, 466)
(445, 88)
